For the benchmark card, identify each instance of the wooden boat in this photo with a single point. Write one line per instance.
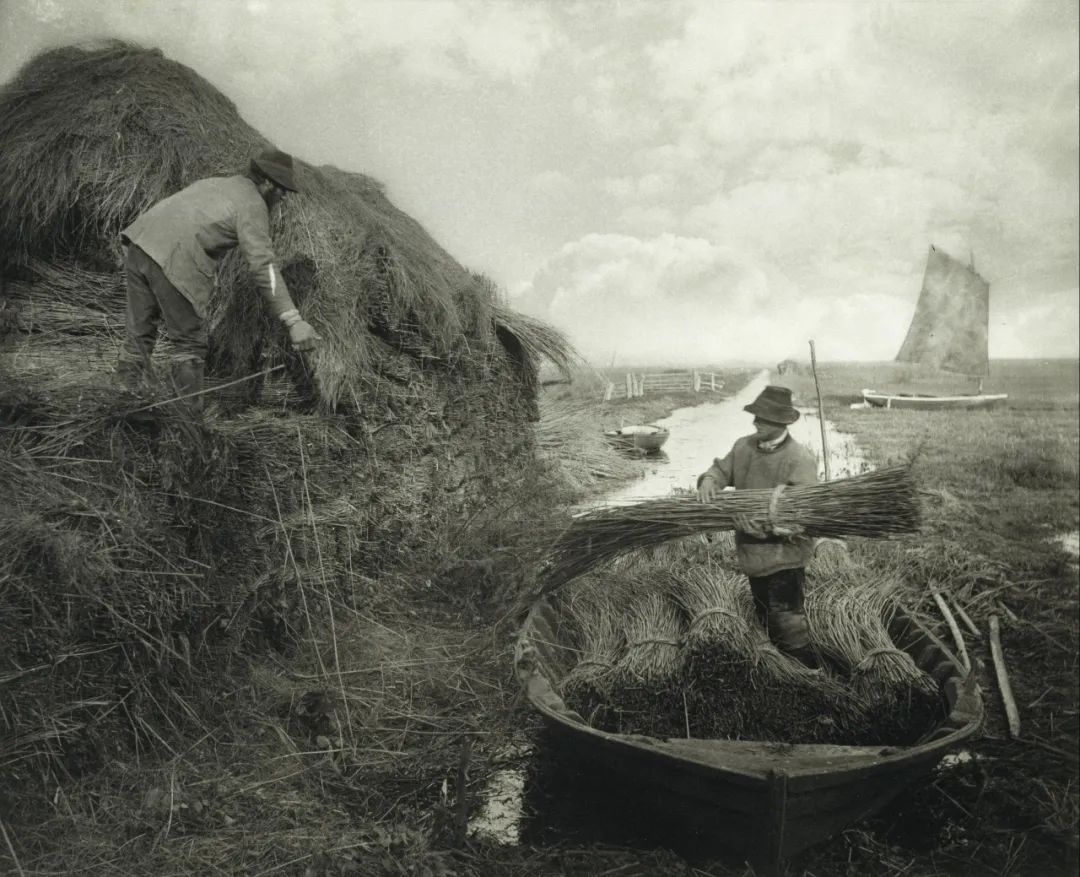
(948, 334)
(647, 439)
(762, 801)
(929, 402)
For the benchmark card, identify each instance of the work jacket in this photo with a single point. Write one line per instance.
(748, 467)
(188, 233)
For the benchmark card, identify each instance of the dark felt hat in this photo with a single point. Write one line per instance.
(276, 166)
(774, 404)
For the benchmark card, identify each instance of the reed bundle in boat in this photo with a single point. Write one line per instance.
(654, 637)
(719, 650)
(874, 504)
(848, 609)
(645, 694)
(597, 612)
(717, 616)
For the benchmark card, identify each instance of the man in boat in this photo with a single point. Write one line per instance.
(773, 558)
(170, 262)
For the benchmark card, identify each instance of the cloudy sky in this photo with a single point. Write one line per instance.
(669, 181)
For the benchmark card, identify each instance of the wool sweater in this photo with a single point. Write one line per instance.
(187, 234)
(748, 467)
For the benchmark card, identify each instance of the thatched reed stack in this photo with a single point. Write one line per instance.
(142, 552)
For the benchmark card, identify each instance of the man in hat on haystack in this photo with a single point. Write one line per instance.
(170, 263)
(773, 558)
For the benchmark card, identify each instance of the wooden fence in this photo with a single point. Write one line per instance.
(692, 381)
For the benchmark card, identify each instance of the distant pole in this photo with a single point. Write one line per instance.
(820, 413)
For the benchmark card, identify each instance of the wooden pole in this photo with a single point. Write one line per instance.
(954, 628)
(820, 412)
(1011, 712)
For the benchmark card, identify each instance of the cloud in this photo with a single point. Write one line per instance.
(681, 300)
(300, 45)
(1047, 325)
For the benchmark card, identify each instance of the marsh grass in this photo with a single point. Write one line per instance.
(1000, 487)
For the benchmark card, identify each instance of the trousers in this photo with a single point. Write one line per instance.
(780, 603)
(151, 300)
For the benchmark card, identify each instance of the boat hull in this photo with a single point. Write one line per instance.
(648, 440)
(925, 402)
(765, 802)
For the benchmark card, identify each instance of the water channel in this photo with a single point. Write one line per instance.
(535, 797)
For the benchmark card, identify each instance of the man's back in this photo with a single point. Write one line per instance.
(188, 232)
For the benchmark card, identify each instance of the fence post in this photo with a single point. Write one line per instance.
(697, 381)
(712, 381)
(629, 386)
(640, 385)
(608, 390)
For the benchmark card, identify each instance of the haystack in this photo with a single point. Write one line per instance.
(141, 551)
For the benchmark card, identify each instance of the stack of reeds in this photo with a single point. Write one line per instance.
(848, 607)
(569, 438)
(142, 552)
(875, 504)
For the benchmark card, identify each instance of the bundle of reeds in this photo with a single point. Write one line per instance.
(644, 697)
(875, 504)
(719, 652)
(596, 610)
(848, 608)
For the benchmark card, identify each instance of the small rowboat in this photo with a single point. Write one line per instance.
(928, 402)
(647, 439)
(762, 801)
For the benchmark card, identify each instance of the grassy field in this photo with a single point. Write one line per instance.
(376, 769)
(1002, 492)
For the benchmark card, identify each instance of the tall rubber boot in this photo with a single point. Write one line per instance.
(132, 372)
(187, 378)
(790, 633)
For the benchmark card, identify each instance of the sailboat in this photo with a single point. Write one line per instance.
(947, 333)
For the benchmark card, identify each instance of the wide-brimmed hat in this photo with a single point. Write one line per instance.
(774, 404)
(276, 166)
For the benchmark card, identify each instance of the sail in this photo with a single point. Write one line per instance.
(949, 329)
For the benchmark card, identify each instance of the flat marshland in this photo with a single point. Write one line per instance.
(367, 745)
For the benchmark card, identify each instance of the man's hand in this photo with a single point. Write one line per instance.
(303, 337)
(752, 526)
(791, 531)
(708, 490)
